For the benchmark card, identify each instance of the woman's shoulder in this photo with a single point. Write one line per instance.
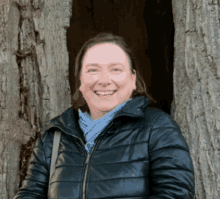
(152, 113)
(159, 118)
(48, 130)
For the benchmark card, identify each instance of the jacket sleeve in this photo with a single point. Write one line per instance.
(171, 168)
(35, 185)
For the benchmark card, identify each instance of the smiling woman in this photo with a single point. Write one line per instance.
(105, 62)
(123, 149)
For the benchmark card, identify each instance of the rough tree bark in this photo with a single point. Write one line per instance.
(197, 88)
(33, 78)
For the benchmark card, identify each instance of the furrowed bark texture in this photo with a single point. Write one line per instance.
(34, 83)
(197, 88)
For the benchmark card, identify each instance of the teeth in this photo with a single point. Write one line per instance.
(104, 93)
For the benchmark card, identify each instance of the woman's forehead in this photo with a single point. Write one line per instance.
(105, 53)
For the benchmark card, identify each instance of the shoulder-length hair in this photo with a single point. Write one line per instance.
(78, 100)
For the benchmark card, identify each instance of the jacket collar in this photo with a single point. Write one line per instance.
(68, 120)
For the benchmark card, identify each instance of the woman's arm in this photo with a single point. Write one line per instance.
(35, 185)
(172, 172)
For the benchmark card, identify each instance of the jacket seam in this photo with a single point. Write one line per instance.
(58, 181)
(121, 146)
(122, 162)
(167, 128)
(155, 170)
(175, 147)
(33, 180)
(68, 166)
(38, 171)
(121, 178)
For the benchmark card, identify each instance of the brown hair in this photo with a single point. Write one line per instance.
(78, 100)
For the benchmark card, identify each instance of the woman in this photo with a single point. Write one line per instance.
(112, 144)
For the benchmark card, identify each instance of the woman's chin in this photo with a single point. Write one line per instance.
(105, 109)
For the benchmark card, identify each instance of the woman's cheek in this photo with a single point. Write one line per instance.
(120, 78)
(91, 78)
(86, 83)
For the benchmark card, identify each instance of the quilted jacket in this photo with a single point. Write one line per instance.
(140, 154)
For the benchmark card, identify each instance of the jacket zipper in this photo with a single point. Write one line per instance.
(87, 164)
(85, 177)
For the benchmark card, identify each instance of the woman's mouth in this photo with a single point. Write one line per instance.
(105, 93)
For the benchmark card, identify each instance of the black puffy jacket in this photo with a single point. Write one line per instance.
(140, 154)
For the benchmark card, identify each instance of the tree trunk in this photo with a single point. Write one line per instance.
(196, 88)
(33, 79)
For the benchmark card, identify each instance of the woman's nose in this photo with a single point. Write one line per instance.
(104, 77)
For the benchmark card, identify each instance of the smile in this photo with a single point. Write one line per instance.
(104, 93)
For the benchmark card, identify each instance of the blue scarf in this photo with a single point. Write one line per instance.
(93, 128)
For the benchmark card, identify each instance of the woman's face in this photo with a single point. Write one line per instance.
(106, 70)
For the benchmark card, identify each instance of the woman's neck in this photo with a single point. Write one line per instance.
(99, 114)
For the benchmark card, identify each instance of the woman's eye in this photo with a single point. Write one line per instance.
(92, 70)
(116, 69)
